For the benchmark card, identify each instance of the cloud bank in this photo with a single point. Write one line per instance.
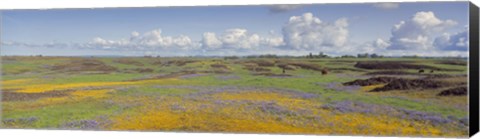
(309, 32)
(422, 34)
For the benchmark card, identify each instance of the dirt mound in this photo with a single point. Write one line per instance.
(371, 81)
(458, 91)
(347, 69)
(219, 66)
(165, 76)
(255, 68)
(286, 66)
(390, 72)
(128, 62)
(272, 74)
(390, 65)
(219, 71)
(406, 84)
(308, 66)
(452, 62)
(262, 63)
(143, 70)
(84, 65)
(434, 76)
(292, 65)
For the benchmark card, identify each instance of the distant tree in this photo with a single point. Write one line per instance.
(362, 55)
(412, 56)
(347, 56)
(374, 55)
(310, 55)
(322, 55)
(268, 56)
(230, 57)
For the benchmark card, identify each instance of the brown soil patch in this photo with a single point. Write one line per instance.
(390, 72)
(262, 63)
(164, 76)
(371, 81)
(436, 76)
(82, 65)
(255, 68)
(406, 84)
(452, 62)
(346, 69)
(286, 66)
(308, 66)
(219, 66)
(219, 69)
(143, 70)
(390, 65)
(457, 91)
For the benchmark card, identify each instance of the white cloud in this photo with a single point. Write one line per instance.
(309, 32)
(416, 33)
(238, 38)
(456, 41)
(149, 40)
(380, 43)
(273, 41)
(300, 35)
(210, 41)
(386, 5)
(284, 8)
(53, 44)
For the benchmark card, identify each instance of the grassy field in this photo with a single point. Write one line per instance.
(327, 96)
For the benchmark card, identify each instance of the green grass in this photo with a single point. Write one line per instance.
(302, 80)
(57, 115)
(152, 91)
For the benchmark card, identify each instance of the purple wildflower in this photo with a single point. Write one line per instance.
(82, 124)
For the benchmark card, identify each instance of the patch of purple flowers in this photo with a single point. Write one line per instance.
(177, 107)
(339, 87)
(227, 77)
(274, 108)
(82, 124)
(423, 116)
(23, 121)
(364, 108)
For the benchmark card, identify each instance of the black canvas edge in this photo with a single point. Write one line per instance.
(473, 70)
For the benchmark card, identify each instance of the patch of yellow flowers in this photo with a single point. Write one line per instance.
(157, 115)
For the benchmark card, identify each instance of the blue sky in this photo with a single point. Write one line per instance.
(241, 30)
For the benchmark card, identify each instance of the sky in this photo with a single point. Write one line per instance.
(391, 29)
